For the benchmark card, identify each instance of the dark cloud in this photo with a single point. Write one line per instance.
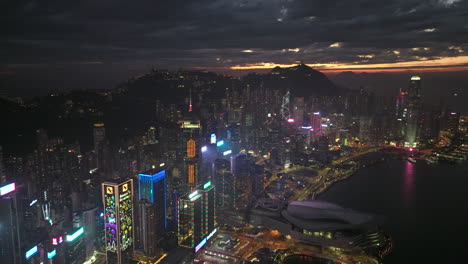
(212, 34)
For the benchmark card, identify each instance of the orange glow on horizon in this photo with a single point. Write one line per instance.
(441, 64)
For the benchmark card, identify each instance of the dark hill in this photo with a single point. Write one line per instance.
(302, 80)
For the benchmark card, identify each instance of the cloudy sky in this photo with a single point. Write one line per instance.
(118, 38)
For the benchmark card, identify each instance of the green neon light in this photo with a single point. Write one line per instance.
(75, 235)
(207, 185)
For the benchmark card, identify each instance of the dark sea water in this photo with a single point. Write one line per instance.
(426, 208)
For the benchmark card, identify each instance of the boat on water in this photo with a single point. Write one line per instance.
(411, 160)
(431, 160)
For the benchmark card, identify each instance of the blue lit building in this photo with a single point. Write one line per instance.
(152, 208)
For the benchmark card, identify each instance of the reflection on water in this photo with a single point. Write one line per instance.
(408, 181)
(408, 195)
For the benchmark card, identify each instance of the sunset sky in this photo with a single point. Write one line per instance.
(111, 40)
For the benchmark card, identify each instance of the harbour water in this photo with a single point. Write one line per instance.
(426, 207)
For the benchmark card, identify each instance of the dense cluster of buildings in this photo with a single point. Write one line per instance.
(190, 161)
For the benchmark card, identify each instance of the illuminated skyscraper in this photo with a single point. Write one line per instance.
(152, 208)
(196, 221)
(9, 226)
(413, 107)
(224, 181)
(401, 112)
(118, 220)
(210, 207)
(190, 219)
(316, 126)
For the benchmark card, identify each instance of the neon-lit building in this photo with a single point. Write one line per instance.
(316, 126)
(190, 216)
(152, 208)
(75, 245)
(209, 207)
(9, 225)
(414, 105)
(196, 219)
(401, 112)
(118, 220)
(33, 255)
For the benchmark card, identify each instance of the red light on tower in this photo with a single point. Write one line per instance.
(290, 120)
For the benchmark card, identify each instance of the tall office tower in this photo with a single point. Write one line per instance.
(285, 107)
(452, 121)
(117, 199)
(152, 208)
(99, 137)
(298, 110)
(209, 207)
(190, 219)
(414, 104)
(401, 112)
(316, 126)
(10, 247)
(196, 222)
(151, 135)
(224, 182)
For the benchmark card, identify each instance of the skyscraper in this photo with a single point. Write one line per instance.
(190, 219)
(224, 182)
(209, 207)
(99, 137)
(401, 111)
(9, 227)
(118, 220)
(316, 126)
(414, 104)
(151, 135)
(152, 208)
(196, 221)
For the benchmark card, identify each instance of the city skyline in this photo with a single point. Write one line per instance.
(233, 131)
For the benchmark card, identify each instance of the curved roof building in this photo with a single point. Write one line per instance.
(317, 216)
(310, 220)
